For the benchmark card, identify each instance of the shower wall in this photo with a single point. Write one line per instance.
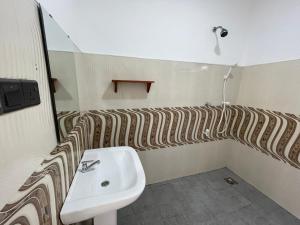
(177, 84)
(269, 87)
(276, 87)
(272, 39)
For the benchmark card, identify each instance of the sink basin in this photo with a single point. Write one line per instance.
(117, 181)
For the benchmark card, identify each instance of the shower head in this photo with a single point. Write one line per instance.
(223, 32)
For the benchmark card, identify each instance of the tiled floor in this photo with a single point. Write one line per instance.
(204, 199)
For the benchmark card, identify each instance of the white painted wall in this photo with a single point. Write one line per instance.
(57, 39)
(170, 29)
(273, 33)
(261, 31)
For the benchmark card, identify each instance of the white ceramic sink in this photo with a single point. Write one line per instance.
(88, 198)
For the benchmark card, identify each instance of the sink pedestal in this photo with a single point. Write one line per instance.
(109, 218)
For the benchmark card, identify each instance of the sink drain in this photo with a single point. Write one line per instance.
(105, 183)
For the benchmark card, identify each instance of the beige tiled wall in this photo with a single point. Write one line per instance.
(176, 83)
(273, 86)
(63, 68)
(27, 135)
(169, 163)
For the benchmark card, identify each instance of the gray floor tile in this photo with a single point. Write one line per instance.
(165, 194)
(204, 199)
(154, 221)
(218, 185)
(149, 213)
(252, 216)
(282, 217)
(127, 211)
(172, 209)
(229, 219)
(257, 198)
(197, 210)
(199, 218)
(146, 200)
(129, 220)
(232, 200)
(177, 220)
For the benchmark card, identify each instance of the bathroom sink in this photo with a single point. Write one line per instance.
(115, 182)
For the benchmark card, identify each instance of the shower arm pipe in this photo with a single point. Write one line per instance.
(216, 28)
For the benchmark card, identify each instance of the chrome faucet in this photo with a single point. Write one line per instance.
(86, 168)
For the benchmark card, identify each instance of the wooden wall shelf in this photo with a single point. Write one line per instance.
(146, 82)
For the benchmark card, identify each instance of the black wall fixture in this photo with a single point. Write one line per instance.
(51, 84)
(18, 94)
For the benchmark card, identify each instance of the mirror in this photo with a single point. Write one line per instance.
(60, 55)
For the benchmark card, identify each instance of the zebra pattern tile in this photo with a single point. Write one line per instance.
(273, 133)
(40, 199)
(153, 128)
(66, 122)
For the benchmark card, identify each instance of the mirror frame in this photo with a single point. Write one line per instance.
(50, 79)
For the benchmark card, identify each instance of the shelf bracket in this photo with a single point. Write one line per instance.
(146, 82)
(148, 87)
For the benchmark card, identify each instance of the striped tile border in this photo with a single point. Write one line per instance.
(67, 121)
(273, 133)
(153, 128)
(40, 198)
